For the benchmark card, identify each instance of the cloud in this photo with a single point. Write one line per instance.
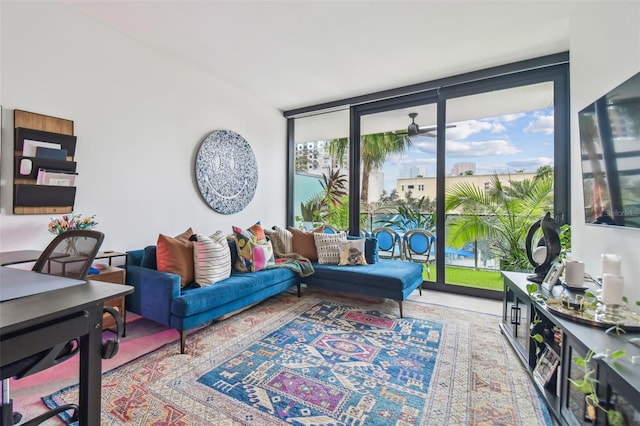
(464, 129)
(508, 118)
(531, 164)
(481, 148)
(540, 124)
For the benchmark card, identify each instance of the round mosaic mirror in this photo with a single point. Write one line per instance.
(226, 171)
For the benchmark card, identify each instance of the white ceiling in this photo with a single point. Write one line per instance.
(293, 54)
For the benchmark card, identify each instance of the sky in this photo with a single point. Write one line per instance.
(503, 144)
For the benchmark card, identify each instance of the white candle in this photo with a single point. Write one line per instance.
(611, 264)
(612, 289)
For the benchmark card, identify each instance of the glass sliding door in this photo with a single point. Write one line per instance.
(321, 171)
(499, 162)
(398, 182)
(500, 134)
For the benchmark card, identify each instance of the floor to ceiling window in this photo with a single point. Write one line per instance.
(421, 146)
(321, 171)
(499, 164)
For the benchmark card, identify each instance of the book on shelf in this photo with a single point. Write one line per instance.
(51, 153)
(56, 178)
(546, 366)
(29, 147)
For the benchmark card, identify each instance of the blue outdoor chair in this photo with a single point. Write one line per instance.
(389, 243)
(330, 229)
(417, 245)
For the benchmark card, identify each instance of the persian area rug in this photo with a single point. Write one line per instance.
(327, 360)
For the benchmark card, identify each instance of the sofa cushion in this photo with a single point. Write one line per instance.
(149, 259)
(327, 246)
(303, 242)
(211, 258)
(175, 255)
(239, 285)
(386, 274)
(351, 252)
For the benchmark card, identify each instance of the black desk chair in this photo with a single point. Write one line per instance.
(70, 254)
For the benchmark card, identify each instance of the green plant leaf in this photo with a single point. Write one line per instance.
(615, 418)
(618, 354)
(532, 288)
(538, 338)
(624, 299)
(580, 361)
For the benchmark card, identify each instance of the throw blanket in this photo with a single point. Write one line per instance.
(298, 264)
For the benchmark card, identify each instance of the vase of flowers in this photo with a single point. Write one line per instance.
(69, 222)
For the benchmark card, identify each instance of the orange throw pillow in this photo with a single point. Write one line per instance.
(303, 243)
(175, 255)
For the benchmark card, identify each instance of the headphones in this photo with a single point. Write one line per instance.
(110, 346)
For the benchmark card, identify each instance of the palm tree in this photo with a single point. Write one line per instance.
(374, 150)
(502, 214)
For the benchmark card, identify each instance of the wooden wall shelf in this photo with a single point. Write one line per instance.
(28, 196)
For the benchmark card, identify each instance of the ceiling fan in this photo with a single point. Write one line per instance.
(414, 129)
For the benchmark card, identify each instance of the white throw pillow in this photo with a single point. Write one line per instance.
(286, 237)
(211, 258)
(328, 247)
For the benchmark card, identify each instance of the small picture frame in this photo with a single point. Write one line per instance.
(552, 276)
(546, 366)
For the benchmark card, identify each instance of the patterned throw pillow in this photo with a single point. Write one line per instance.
(328, 248)
(352, 252)
(211, 258)
(303, 243)
(175, 255)
(262, 256)
(250, 240)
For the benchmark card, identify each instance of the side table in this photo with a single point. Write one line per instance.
(115, 275)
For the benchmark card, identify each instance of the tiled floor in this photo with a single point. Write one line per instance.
(459, 301)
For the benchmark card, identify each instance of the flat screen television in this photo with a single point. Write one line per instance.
(610, 148)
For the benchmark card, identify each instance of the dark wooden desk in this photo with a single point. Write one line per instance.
(31, 324)
(26, 256)
(19, 256)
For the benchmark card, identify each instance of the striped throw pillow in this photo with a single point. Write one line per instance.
(211, 258)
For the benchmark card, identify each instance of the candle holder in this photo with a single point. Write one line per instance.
(609, 313)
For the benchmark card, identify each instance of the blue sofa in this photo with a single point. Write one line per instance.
(158, 295)
(393, 279)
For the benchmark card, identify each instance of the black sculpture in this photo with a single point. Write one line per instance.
(550, 241)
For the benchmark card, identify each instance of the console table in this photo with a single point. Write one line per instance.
(37, 322)
(619, 381)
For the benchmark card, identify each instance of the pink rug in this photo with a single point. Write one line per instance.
(142, 337)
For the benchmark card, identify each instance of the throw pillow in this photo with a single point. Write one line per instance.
(303, 243)
(278, 245)
(370, 248)
(328, 248)
(175, 255)
(285, 237)
(247, 241)
(352, 252)
(149, 258)
(262, 256)
(211, 258)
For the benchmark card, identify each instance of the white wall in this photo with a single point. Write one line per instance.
(139, 116)
(604, 51)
